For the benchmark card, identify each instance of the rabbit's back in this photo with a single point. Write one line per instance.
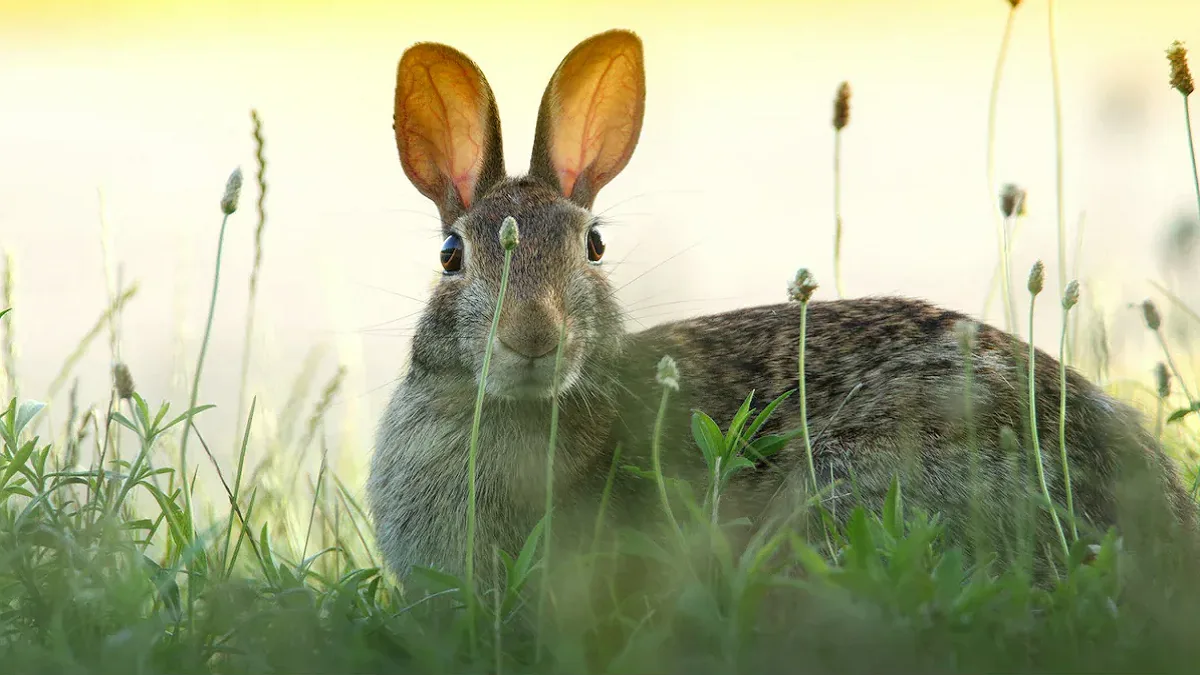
(886, 384)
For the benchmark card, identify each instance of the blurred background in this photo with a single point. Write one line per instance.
(121, 119)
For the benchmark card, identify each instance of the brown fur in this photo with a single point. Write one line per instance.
(885, 376)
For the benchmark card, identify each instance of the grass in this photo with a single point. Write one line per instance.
(116, 568)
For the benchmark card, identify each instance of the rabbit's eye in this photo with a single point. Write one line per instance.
(595, 245)
(452, 253)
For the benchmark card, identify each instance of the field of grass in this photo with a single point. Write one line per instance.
(112, 560)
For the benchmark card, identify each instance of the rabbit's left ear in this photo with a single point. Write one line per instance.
(591, 116)
(447, 127)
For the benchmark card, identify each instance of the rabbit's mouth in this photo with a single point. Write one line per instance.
(513, 375)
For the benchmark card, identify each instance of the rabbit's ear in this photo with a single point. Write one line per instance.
(591, 116)
(447, 127)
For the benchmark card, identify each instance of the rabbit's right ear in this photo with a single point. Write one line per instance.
(591, 116)
(447, 127)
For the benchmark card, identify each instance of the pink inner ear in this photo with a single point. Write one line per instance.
(464, 165)
(442, 111)
(599, 92)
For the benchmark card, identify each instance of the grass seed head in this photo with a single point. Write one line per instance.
(1012, 200)
(841, 107)
(1071, 296)
(233, 188)
(1181, 75)
(509, 234)
(1150, 312)
(1162, 378)
(123, 381)
(802, 287)
(1014, 3)
(1037, 278)
(668, 373)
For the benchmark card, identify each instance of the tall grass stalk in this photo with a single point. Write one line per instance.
(227, 562)
(228, 207)
(1036, 281)
(604, 498)
(1060, 206)
(81, 347)
(966, 341)
(1006, 266)
(841, 117)
(111, 285)
(509, 238)
(260, 177)
(1187, 120)
(801, 290)
(993, 102)
(9, 345)
(1181, 81)
(668, 379)
(1070, 299)
(1154, 323)
(549, 516)
(1162, 391)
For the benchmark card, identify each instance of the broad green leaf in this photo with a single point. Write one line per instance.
(25, 413)
(708, 436)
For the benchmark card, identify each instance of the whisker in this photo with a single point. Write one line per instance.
(384, 290)
(660, 264)
(643, 195)
(387, 323)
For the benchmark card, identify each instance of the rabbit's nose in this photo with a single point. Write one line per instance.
(529, 328)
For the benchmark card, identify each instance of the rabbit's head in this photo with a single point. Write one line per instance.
(448, 134)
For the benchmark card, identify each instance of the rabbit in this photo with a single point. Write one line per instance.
(885, 376)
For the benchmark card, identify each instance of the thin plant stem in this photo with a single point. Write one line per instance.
(1033, 433)
(605, 496)
(808, 451)
(716, 493)
(972, 445)
(1187, 118)
(1060, 206)
(1159, 406)
(546, 544)
(1162, 343)
(656, 459)
(1187, 392)
(473, 447)
(837, 212)
(1006, 265)
(187, 424)
(186, 485)
(993, 100)
(1073, 337)
(237, 484)
(251, 303)
(1062, 422)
